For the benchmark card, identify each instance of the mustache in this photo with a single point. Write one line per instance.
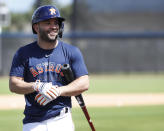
(56, 30)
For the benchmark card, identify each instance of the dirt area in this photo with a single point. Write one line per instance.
(93, 100)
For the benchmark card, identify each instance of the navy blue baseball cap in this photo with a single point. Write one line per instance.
(46, 12)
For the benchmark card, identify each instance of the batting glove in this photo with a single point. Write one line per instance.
(47, 89)
(42, 100)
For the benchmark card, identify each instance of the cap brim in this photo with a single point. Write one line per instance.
(61, 18)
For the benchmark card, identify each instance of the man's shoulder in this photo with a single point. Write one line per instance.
(68, 46)
(26, 49)
(28, 46)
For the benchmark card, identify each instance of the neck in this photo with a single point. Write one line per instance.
(47, 45)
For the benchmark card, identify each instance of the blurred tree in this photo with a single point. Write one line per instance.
(38, 3)
(21, 22)
(66, 12)
(18, 22)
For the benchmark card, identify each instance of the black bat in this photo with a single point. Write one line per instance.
(69, 77)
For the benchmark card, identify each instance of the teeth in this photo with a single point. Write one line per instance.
(55, 31)
(52, 33)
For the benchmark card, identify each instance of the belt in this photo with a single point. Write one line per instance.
(64, 111)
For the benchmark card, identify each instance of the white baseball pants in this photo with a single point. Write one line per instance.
(63, 122)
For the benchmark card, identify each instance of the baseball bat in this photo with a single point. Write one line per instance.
(69, 77)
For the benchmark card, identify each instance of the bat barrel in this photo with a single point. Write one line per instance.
(67, 72)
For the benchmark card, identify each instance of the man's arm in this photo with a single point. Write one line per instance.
(19, 86)
(76, 87)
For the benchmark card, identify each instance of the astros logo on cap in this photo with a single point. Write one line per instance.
(53, 11)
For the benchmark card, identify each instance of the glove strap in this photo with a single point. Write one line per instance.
(36, 86)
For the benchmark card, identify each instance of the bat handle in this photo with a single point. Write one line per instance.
(80, 100)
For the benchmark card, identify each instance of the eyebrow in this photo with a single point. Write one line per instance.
(50, 19)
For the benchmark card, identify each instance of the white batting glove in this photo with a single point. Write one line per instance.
(53, 92)
(47, 89)
(42, 100)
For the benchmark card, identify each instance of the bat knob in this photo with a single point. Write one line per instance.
(65, 66)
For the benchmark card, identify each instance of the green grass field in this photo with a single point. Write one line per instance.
(134, 83)
(127, 83)
(141, 118)
(145, 118)
(4, 86)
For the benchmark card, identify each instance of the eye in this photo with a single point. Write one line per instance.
(56, 22)
(47, 23)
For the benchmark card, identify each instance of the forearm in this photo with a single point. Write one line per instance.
(19, 86)
(76, 87)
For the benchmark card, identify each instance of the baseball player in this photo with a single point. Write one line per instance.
(35, 72)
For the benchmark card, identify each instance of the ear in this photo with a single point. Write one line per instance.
(36, 28)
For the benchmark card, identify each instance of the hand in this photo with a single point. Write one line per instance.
(53, 92)
(47, 89)
(42, 100)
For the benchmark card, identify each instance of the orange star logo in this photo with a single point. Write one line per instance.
(53, 11)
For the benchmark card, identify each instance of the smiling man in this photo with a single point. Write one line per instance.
(35, 73)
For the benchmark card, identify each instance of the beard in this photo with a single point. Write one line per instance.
(45, 36)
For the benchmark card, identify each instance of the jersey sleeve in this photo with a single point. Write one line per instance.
(77, 63)
(17, 67)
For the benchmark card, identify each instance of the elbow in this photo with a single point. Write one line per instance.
(86, 87)
(11, 88)
(86, 84)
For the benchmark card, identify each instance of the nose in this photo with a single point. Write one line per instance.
(54, 22)
(53, 25)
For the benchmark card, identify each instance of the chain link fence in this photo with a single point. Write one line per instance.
(129, 53)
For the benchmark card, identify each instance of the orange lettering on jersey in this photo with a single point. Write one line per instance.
(58, 68)
(40, 69)
(34, 72)
(46, 66)
(61, 73)
(51, 67)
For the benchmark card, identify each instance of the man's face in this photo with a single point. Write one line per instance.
(48, 30)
